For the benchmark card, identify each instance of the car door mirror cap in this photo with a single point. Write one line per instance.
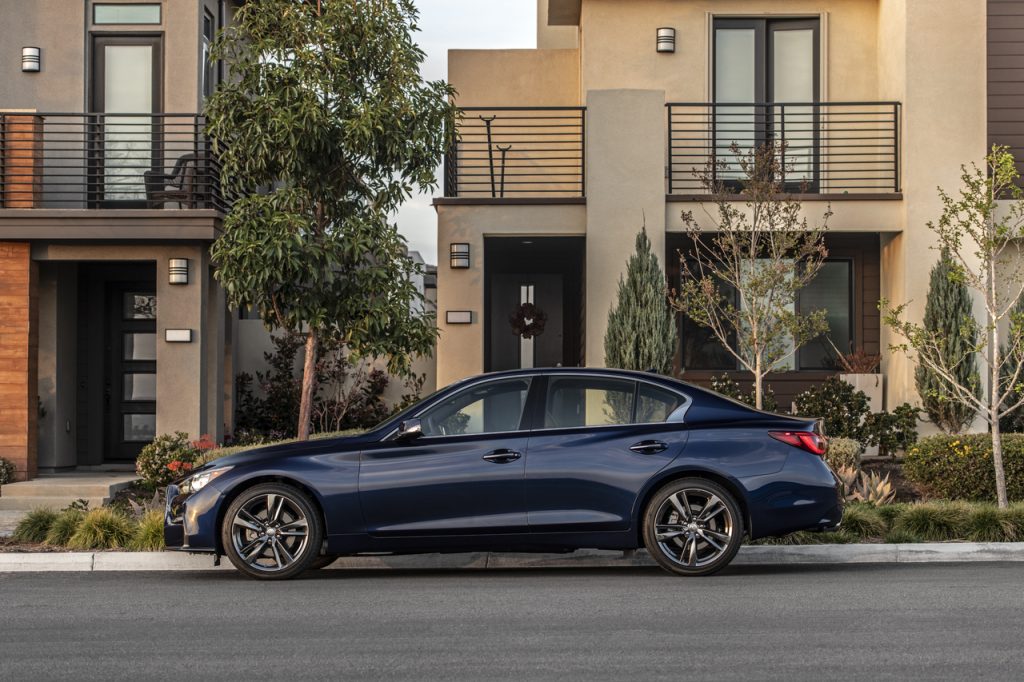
(410, 429)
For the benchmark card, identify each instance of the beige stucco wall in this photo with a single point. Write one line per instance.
(61, 28)
(515, 78)
(554, 37)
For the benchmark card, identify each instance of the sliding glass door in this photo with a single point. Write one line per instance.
(766, 74)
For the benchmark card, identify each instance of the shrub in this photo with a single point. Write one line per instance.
(730, 389)
(892, 431)
(64, 527)
(34, 526)
(149, 533)
(843, 452)
(841, 406)
(167, 458)
(102, 528)
(7, 470)
(863, 521)
(960, 467)
(988, 523)
(933, 521)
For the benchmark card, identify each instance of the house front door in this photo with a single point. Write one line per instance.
(129, 392)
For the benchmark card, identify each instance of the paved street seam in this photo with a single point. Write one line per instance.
(15, 562)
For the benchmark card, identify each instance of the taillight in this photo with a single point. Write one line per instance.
(805, 440)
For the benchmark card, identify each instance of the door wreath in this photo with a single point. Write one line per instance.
(527, 321)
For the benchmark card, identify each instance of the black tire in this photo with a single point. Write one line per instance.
(701, 544)
(267, 546)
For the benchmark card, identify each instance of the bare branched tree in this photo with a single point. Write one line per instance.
(741, 275)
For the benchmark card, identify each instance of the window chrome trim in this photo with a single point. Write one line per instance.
(678, 415)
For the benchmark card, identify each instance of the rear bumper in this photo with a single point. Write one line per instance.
(190, 521)
(804, 495)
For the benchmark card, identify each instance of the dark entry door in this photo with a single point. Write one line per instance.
(508, 292)
(129, 392)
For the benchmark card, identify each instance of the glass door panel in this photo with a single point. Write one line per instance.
(793, 80)
(735, 82)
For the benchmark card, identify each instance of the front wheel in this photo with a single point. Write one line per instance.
(272, 532)
(693, 527)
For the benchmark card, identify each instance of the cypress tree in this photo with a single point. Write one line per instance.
(946, 311)
(641, 331)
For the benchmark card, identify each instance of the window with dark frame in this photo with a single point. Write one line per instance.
(133, 14)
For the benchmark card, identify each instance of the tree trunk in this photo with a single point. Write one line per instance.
(993, 411)
(758, 385)
(308, 384)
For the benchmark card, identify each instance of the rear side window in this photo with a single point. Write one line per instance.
(588, 401)
(656, 404)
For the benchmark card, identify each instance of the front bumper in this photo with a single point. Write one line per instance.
(190, 521)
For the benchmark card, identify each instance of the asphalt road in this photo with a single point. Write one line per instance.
(931, 621)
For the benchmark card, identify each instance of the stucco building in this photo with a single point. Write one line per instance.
(112, 327)
(567, 149)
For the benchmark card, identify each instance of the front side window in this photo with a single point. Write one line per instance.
(492, 407)
(588, 401)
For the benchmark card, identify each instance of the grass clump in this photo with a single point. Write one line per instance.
(901, 536)
(64, 527)
(863, 521)
(988, 523)
(933, 521)
(102, 528)
(891, 512)
(35, 525)
(149, 533)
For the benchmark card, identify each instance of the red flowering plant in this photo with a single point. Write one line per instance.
(167, 458)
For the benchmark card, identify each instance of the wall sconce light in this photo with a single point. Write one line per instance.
(31, 59)
(459, 256)
(177, 271)
(459, 317)
(666, 39)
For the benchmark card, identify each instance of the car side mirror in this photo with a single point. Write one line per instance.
(410, 429)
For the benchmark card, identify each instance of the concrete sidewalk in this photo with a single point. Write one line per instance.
(748, 555)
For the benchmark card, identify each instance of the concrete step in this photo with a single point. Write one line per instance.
(29, 503)
(56, 490)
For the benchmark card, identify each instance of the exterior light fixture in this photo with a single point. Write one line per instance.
(459, 317)
(459, 256)
(31, 59)
(177, 271)
(666, 40)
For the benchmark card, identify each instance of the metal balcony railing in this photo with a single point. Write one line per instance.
(508, 152)
(826, 147)
(76, 160)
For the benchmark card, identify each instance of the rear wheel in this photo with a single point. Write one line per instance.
(693, 527)
(272, 532)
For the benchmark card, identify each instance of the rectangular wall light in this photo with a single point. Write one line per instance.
(178, 335)
(459, 255)
(459, 317)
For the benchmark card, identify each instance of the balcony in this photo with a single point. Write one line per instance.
(504, 154)
(98, 162)
(832, 149)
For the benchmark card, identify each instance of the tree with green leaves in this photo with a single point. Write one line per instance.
(325, 106)
(641, 332)
(948, 317)
(747, 263)
(981, 228)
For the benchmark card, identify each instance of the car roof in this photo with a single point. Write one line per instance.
(588, 371)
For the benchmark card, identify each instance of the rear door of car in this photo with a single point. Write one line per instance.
(598, 439)
(464, 475)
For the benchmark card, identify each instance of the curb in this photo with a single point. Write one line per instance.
(756, 555)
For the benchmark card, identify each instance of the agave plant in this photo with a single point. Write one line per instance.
(863, 486)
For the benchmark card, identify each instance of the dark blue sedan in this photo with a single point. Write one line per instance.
(523, 461)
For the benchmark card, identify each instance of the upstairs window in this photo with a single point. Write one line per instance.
(126, 14)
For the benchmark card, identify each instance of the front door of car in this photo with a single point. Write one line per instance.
(598, 443)
(464, 475)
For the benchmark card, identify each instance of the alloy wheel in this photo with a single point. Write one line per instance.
(270, 532)
(693, 527)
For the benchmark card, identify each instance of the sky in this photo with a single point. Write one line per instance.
(460, 24)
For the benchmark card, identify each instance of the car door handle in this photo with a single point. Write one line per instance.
(648, 447)
(502, 456)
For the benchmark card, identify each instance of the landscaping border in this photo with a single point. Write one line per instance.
(755, 555)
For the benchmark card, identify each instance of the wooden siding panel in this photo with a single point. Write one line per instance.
(1006, 76)
(17, 358)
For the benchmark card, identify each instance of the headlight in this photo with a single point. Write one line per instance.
(197, 482)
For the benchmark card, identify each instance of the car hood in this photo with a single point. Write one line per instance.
(270, 453)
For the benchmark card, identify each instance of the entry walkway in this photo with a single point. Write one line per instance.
(57, 491)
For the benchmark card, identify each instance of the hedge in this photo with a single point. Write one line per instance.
(960, 467)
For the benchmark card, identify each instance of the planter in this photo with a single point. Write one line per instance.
(873, 386)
